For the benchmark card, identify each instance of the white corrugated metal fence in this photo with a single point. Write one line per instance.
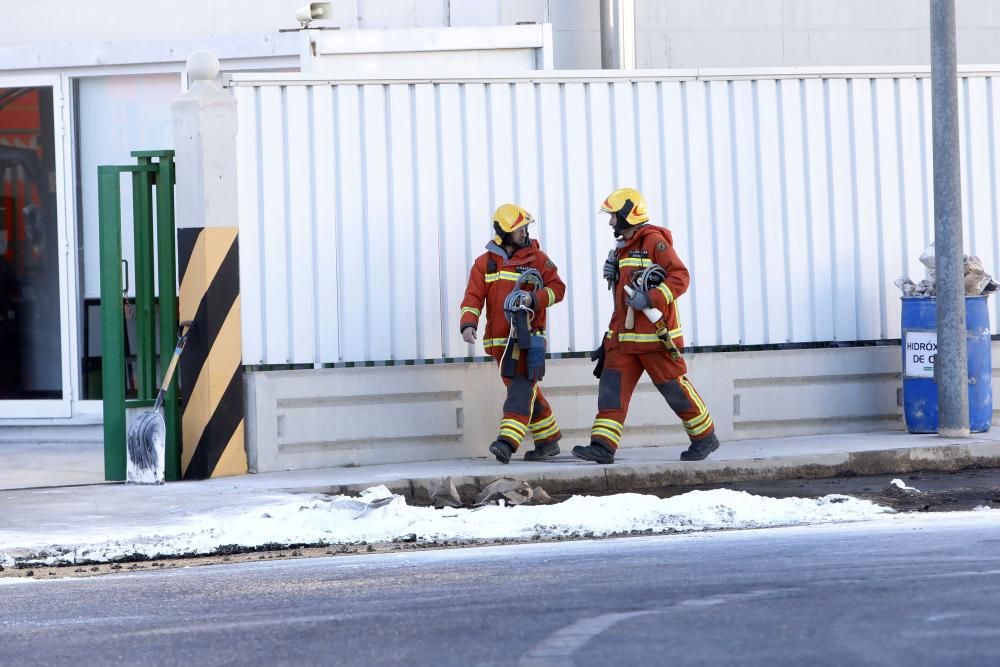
(795, 198)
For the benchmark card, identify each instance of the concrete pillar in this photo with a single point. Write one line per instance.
(205, 141)
(211, 368)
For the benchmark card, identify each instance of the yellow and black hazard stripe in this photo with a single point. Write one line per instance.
(212, 419)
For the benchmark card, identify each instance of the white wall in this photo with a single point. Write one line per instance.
(31, 23)
(801, 33)
(576, 33)
(669, 33)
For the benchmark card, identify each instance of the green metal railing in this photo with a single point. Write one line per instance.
(153, 169)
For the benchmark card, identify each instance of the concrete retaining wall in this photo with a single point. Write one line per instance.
(362, 416)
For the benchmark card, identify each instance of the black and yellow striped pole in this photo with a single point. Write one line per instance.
(212, 365)
(211, 368)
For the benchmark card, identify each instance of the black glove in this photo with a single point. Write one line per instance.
(598, 356)
(639, 301)
(610, 272)
(536, 358)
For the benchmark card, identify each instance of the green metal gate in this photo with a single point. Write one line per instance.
(153, 179)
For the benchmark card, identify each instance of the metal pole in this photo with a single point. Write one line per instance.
(112, 335)
(951, 365)
(610, 42)
(166, 234)
(145, 328)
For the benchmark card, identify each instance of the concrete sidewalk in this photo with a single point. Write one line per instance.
(90, 512)
(652, 467)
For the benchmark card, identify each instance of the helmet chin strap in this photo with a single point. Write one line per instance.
(621, 218)
(620, 226)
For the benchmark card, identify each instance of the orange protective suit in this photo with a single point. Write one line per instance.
(491, 279)
(629, 352)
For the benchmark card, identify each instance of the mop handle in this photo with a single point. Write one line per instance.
(183, 331)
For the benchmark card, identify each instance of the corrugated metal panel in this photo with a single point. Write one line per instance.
(795, 198)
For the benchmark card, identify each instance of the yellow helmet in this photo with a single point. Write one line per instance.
(628, 204)
(508, 218)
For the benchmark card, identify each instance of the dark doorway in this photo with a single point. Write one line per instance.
(30, 326)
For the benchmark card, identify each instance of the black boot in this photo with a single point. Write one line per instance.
(700, 449)
(502, 450)
(595, 451)
(542, 452)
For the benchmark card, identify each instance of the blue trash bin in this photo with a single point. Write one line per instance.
(919, 346)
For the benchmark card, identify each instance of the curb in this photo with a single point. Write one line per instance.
(625, 478)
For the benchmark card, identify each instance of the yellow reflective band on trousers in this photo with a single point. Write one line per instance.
(513, 425)
(534, 396)
(703, 421)
(609, 424)
(544, 428)
(607, 428)
(543, 424)
(696, 430)
(692, 394)
(513, 430)
(547, 433)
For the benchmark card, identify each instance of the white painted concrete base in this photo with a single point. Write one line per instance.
(362, 416)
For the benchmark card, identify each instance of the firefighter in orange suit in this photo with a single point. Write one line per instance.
(647, 277)
(517, 282)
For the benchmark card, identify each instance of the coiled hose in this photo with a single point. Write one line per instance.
(517, 302)
(649, 277)
(645, 280)
(519, 298)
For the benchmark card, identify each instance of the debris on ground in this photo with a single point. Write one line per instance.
(370, 499)
(445, 494)
(513, 492)
(898, 488)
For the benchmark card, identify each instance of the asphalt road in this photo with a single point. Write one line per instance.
(914, 590)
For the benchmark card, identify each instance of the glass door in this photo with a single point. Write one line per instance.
(34, 356)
